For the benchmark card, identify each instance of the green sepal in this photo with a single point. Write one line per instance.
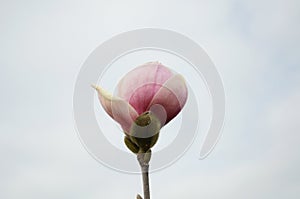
(145, 132)
(145, 144)
(131, 145)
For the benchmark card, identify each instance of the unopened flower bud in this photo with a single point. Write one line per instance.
(131, 145)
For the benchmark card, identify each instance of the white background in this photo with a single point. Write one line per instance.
(255, 46)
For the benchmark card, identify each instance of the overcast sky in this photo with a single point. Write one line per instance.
(255, 46)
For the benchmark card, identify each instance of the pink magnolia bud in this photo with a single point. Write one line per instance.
(151, 87)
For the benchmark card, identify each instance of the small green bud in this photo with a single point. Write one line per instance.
(145, 131)
(131, 145)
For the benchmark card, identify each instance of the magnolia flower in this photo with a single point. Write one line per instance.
(148, 97)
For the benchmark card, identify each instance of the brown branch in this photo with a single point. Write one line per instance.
(144, 163)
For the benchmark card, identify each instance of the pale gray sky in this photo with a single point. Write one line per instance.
(254, 44)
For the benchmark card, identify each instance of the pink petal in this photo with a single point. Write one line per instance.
(118, 109)
(170, 99)
(140, 85)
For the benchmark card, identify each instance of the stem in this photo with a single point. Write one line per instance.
(145, 173)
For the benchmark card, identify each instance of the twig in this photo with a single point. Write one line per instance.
(144, 163)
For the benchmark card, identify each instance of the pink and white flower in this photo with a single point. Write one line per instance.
(151, 87)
